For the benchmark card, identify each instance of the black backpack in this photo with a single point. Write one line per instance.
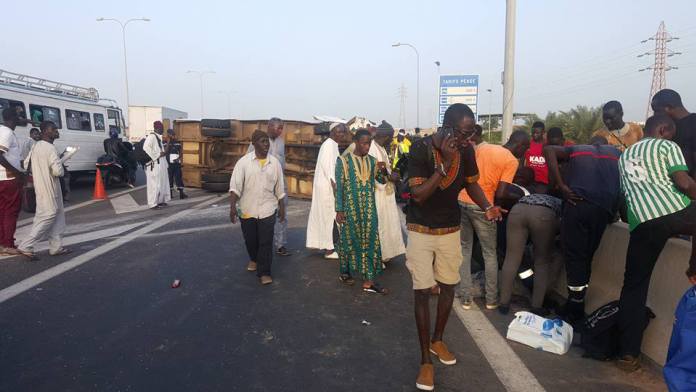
(600, 332)
(139, 153)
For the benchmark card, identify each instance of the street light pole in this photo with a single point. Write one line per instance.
(490, 106)
(125, 55)
(509, 71)
(228, 93)
(200, 77)
(437, 107)
(417, 79)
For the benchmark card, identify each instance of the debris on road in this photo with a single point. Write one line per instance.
(366, 323)
(176, 284)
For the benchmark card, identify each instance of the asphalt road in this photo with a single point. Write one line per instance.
(105, 318)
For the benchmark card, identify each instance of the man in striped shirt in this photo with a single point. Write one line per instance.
(655, 180)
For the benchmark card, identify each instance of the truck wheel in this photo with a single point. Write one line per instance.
(216, 177)
(215, 132)
(216, 186)
(215, 123)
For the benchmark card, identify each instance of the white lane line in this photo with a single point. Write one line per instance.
(124, 204)
(88, 236)
(28, 221)
(33, 281)
(203, 228)
(509, 368)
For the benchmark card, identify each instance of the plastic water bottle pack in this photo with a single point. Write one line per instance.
(554, 336)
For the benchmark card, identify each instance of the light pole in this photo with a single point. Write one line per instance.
(509, 72)
(200, 77)
(490, 105)
(228, 93)
(437, 107)
(125, 58)
(417, 79)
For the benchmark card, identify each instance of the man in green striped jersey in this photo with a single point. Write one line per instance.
(655, 180)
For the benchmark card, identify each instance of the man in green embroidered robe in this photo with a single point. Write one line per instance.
(359, 250)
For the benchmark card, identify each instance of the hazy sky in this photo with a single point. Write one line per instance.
(298, 58)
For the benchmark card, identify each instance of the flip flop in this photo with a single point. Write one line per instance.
(375, 289)
(31, 256)
(61, 251)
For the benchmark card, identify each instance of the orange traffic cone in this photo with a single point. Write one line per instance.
(99, 192)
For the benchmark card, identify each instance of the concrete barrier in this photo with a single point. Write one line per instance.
(667, 285)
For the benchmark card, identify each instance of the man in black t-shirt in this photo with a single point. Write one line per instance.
(439, 167)
(669, 102)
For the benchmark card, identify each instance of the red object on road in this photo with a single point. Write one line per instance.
(99, 192)
(176, 284)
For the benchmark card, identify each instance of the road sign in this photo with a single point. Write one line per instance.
(457, 89)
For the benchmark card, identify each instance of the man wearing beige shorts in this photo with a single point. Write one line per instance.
(440, 166)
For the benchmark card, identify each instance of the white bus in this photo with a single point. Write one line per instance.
(82, 118)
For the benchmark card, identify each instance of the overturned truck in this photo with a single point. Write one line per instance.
(212, 147)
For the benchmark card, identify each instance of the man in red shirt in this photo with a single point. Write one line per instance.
(534, 158)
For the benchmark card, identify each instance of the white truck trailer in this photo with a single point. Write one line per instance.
(140, 119)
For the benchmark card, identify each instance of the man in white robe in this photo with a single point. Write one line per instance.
(46, 169)
(156, 171)
(321, 228)
(390, 236)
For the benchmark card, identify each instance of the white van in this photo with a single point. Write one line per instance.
(82, 118)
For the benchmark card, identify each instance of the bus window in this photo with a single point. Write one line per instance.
(78, 121)
(99, 122)
(18, 105)
(45, 113)
(114, 120)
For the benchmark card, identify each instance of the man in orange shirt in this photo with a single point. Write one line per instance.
(497, 167)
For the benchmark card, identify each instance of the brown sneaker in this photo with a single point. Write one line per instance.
(438, 348)
(251, 267)
(426, 377)
(266, 280)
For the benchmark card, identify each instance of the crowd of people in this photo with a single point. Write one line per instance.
(537, 190)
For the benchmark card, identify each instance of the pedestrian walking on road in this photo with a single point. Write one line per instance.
(359, 249)
(322, 231)
(256, 187)
(439, 167)
(591, 190)
(11, 180)
(173, 148)
(274, 129)
(658, 189)
(156, 172)
(390, 236)
(46, 169)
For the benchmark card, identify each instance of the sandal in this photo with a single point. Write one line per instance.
(346, 279)
(31, 256)
(282, 251)
(61, 251)
(376, 289)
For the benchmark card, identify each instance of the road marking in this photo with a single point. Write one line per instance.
(124, 204)
(88, 236)
(33, 281)
(28, 221)
(509, 368)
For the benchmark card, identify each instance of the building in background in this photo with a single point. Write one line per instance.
(140, 119)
